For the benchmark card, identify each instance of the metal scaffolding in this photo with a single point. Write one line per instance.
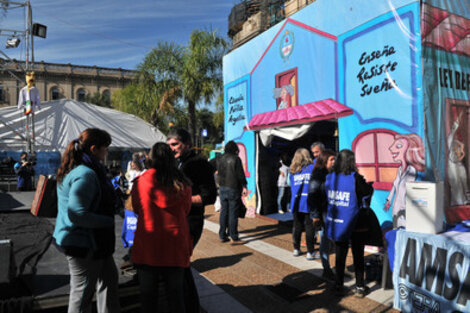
(14, 36)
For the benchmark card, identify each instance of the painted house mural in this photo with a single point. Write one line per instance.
(366, 78)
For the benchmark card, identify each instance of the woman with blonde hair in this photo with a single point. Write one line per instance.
(300, 170)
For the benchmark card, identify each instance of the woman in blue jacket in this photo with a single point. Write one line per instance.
(84, 227)
(346, 192)
(300, 169)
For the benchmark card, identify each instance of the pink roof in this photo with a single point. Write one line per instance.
(300, 114)
(445, 31)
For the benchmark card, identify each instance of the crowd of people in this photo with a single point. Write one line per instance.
(329, 197)
(165, 194)
(168, 191)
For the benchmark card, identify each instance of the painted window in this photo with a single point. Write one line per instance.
(373, 158)
(457, 152)
(287, 79)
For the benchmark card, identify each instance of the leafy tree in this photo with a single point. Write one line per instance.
(215, 133)
(101, 99)
(219, 117)
(135, 99)
(192, 73)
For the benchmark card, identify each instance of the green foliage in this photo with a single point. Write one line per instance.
(174, 79)
(215, 133)
(101, 99)
(206, 150)
(192, 73)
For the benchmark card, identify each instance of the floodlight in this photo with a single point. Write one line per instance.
(39, 30)
(12, 42)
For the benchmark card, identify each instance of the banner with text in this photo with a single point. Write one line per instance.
(431, 274)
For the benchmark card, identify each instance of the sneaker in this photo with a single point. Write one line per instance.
(280, 212)
(296, 252)
(316, 255)
(360, 292)
(310, 256)
(225, 239)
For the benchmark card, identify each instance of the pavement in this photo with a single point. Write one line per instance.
(260, 274)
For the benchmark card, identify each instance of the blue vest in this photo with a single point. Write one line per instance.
(128, 228)
(342, 206)
(299, 189)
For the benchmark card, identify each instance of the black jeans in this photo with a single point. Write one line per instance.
(300, 220)
(357, 246)
(191, 296)
(172, 277)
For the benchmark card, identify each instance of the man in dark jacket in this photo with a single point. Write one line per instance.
(201, 175)
(25, 171)
(232, 184)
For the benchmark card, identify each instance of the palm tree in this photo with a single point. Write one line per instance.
(191, 73)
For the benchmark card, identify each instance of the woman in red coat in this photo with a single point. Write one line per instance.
(161, 197)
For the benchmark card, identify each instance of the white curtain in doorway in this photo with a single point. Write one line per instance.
(287, 132)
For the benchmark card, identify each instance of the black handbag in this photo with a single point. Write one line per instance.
(373, 236)
(241, 210)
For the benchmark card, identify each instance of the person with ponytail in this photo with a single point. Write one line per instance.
(161, 197)
(84, 228)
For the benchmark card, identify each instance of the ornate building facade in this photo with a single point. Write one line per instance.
(57, 81)
(249, 18)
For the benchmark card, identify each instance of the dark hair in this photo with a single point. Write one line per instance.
(231, 147)
(345, 162)
(162, 159)
(181, 135)
(285, 158)
(322, 159)
(23, 154)
(73, 154)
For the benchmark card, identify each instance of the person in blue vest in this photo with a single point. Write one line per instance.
(317, 205)
(300, 170)
(347, 192)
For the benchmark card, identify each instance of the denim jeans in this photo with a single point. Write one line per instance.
(324, 250)
(230, 201)
(280, 195)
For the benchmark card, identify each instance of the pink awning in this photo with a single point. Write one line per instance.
(300, 114)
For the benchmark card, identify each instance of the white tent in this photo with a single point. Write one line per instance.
(59, 122)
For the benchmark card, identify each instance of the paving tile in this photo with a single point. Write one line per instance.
(262, 275)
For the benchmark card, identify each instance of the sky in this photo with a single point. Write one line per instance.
(112, 33)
